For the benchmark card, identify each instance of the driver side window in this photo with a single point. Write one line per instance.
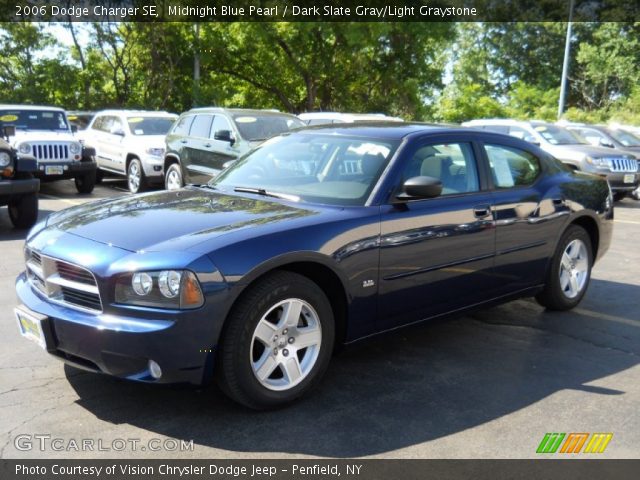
(453, 164)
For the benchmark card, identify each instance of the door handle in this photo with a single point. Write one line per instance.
(482, 211)
(208, 145)
(183, 141)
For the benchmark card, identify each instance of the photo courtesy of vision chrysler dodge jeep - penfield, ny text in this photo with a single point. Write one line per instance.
(317, 238)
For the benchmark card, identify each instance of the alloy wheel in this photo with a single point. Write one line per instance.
(285, 344)
(574, 268)
(134, 177)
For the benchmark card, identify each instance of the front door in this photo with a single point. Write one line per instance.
(436, 255)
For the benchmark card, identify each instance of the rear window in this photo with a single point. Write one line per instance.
(262, 127)
(34, 119)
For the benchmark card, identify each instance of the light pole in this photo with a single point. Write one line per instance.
(565, 64)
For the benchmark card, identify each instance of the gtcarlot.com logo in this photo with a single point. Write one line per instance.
(45, 442)
(573, 442)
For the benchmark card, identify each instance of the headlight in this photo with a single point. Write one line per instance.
(5, 159)
(172, 289)
(599, 162)
(155, 152)
(75, 148)
(24, 148)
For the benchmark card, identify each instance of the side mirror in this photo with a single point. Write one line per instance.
(117, 131)
(421, 187)
(606, 143)
(224, 136)
(9, 131)
(74, 129)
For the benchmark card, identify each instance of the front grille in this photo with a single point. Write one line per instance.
(51, 151)
(63, 282)
(622, 164)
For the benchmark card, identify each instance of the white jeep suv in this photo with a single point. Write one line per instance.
(45, 133)
(130, 143)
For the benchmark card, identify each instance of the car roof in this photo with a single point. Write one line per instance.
(30, 107)
(346, 116)
(146, 113)
(239, 111)
(382, 129)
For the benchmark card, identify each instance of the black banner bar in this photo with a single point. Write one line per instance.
(566, 469)
(318, 10)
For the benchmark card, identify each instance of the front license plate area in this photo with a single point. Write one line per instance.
(53, 170)
(629, 178)
(30, 326)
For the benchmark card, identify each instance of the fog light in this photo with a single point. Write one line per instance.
(155, 370)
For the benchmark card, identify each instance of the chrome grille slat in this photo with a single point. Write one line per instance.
(51, 151)
(623, 164)
(63, 282)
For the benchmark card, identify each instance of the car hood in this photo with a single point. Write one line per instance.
(171, 220)
(42, 136)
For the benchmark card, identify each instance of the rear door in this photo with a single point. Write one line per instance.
(197, 150)
(437, 254)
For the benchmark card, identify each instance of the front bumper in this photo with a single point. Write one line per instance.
(153, 167)
(123, 345)
(15, 188)
(70, 169)
(618, 184)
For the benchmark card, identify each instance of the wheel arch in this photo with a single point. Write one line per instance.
(317, 269)
(130, 156)
(591, 227)
(170, 159)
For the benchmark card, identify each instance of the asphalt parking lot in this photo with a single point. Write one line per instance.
(487, 385)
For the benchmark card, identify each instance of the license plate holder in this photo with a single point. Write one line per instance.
(629, 178)
(30, 326)
(53, 170)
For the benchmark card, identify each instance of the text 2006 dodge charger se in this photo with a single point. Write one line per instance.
(317, 238)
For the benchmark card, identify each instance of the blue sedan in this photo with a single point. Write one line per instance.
(317, 238)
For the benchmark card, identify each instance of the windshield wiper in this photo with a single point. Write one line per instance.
(266, 193)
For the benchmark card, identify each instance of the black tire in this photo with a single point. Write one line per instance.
(135, 163)
(617, 196)
(23, 211)
(553, 296)
(85, 183)
(174, 169)
(235, 374)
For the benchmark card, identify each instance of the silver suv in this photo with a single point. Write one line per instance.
(44, 133)
(619, 168)
(130, 143)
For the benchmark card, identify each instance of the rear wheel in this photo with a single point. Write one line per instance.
(86, 182)
(570, 271)
(277, 342)
(173, 177)
(23, 211)
(136, 180)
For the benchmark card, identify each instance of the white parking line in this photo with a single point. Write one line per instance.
(65, 200)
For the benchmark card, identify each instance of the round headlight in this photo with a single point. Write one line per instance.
(75, 148)
(169, 283)
(24, 148)
(142, 283)
(5, 159)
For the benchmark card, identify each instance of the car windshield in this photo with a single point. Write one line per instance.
(34, 120)
(150, 125)
(316, 168)
(625, 138)
(256, 127)
(559, 136)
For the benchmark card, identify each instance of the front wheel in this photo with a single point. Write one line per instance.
(570, 271)
(618, 196)
(277, 341)
(173, 177)
(23, 212)
(85, 183)
(136, 180)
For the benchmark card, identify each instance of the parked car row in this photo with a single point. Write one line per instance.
(606, 152)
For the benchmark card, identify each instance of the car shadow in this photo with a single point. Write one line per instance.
(403, 388)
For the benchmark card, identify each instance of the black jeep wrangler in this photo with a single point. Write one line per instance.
(18, 187)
